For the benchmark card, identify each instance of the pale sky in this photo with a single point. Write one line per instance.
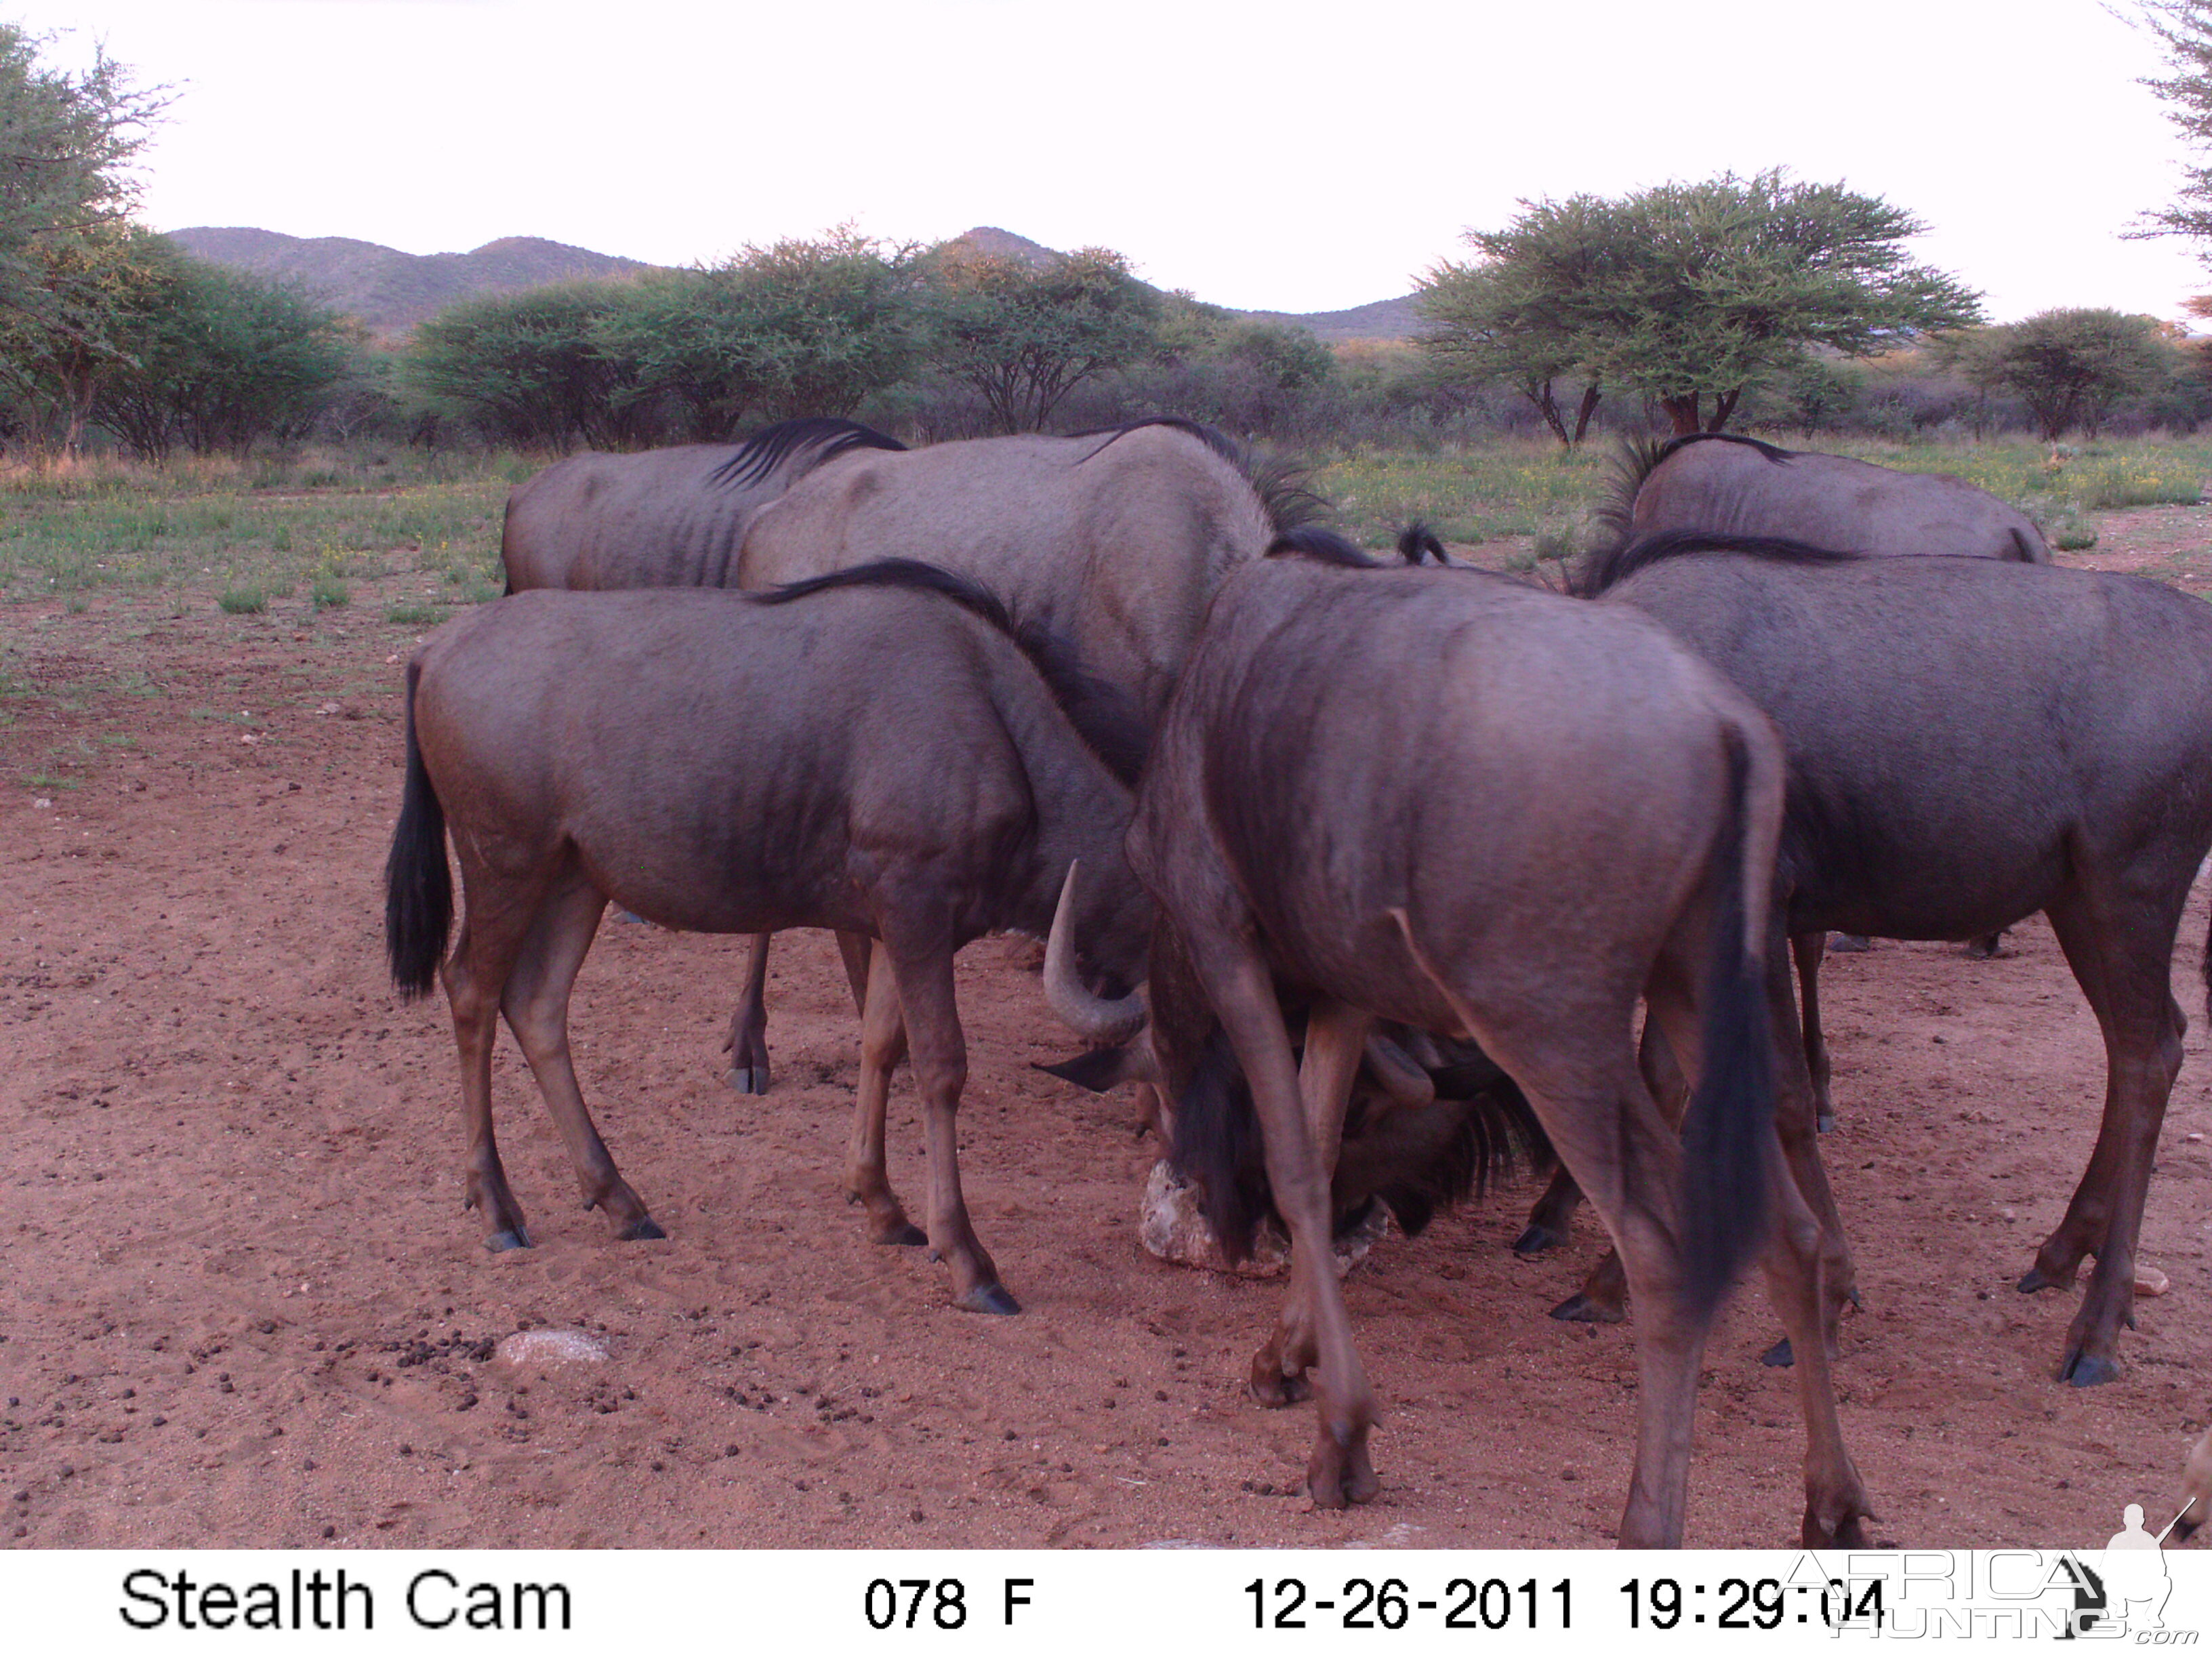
(1286, 157)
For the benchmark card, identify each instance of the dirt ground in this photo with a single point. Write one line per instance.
(241, 1304)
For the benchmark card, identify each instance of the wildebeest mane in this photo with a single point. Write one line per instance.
(1218, 1145)
(1287, 503)
(1614, 565)
(1322, 547)
(1100, 712)
(811, 442)
(1638, 458)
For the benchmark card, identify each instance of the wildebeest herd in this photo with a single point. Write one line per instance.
(1360, 869)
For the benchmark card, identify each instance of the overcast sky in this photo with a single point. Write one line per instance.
(1287, 157)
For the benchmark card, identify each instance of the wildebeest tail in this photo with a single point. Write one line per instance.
(1728, 1125)
(418, 888)
(1285, 500)
(1419, 544)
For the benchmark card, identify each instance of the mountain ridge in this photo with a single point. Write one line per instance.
(391, 291)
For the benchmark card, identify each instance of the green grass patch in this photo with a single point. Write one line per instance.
(243, 601)
(411, 616)
(329, 593)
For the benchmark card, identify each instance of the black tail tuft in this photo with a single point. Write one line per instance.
(418, 888)
(1730, 1122)
(1419, 544)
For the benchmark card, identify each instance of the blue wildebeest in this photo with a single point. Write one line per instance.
(1115, 540)
(1738, 486)
(875, 751)
(1970, 743)
(1576, 813)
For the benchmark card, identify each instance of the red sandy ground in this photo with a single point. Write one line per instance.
(242, 1306)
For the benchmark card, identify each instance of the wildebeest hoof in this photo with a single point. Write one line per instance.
(644, 1227)
(904, 1232)
(2086, 1370)
(1781, 1357)
(1850, 944)
(1581, 1309)
(990, 1299)
(747, 1079)
(1823, 1122)
(2036, 1280)
(1271, 1389)
(512, 1238)
(1846, 1534)
(1537, 1240)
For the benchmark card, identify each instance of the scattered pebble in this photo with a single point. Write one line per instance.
(42, 803)
(2150, 1281)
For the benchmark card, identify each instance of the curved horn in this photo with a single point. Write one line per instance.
(1089, 1016)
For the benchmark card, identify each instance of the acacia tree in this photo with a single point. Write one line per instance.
(2068, 367)
(798, 327)
(1517, 314)
(1686, 293)
(532, 368)
(2183, 30)
(1025, 335)
(72, 269)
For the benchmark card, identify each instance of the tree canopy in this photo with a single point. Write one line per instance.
(1024, 335)
(2183, 30)
(2069, 367)
(1683, 293)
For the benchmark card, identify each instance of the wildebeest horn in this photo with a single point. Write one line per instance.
(1089, 1016)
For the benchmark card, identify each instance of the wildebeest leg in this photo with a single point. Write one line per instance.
(1550, 1216)
(1607, 1129)
(1987, 946)
(496, 916)
(2119, 945)
(1336, 1033)
(1238, 985)
(747, 1045)
(922, 969)
(536, 1003)
(1599, 1301)
(1835, 1498)
(1808, 949)
(1796, 1124)
(857, 951)
(1603, 1297)
(883, 1044)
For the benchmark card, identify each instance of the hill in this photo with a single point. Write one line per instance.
(391, 291)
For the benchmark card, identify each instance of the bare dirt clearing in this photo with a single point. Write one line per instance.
(242, 1305)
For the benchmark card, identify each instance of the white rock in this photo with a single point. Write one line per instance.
(1170, 1225)
(550, 1348)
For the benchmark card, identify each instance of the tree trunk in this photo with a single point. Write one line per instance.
(1723, 406)
(1683, 411)
(1540, 394)
(1590, 395)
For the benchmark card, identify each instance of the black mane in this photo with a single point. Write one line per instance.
(1636, 459)
(1321, 546)
(806, 444)
(1100, 712)
(1606, 569)
(1287, 503)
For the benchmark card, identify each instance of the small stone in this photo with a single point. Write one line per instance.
(330, 1532)
(550, 1348)
(2150, 1282)
(42, 804)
